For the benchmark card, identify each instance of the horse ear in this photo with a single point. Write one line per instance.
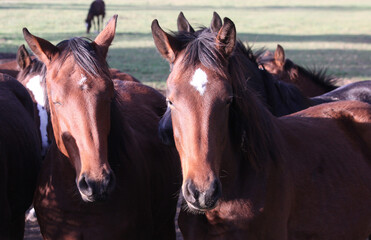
(166, 44)
(216, 23)
(183, 24)
(226, 38)
(23, 57)
(105, 37)
(42, 48)
(279, 55)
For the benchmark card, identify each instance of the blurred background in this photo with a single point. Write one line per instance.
(333, 34)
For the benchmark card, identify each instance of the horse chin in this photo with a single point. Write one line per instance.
(87, 199)
(93, 198)
(198, 209)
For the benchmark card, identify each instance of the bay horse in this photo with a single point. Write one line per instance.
(20, 157)
(32, 76)
(9, 68)
(106, 174)
(97, 9)
(311, 82)
(279, 97)
(248, 174)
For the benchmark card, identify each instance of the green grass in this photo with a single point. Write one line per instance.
(333, 34)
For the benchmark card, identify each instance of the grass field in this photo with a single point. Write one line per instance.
(333, 34)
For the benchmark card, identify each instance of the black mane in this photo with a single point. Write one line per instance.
(319, 76)
(85, 56)
(36, 67)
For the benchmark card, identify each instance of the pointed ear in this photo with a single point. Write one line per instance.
(216, 23)
(183, 24)
(23, 58)
(166, 44)
(279, 55)
(42, 48)
(226, 38)
(105, 37)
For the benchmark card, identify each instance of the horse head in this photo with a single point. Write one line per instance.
(80, 91)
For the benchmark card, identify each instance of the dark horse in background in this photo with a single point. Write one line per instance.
(20, 157)
(311, 82)
(248, 174)
(97, 9)
(279, 96)
(106, 174)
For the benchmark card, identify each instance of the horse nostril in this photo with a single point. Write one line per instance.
(190, 191)
(84, 186)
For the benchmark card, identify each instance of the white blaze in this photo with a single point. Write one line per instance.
(199, 81)
(82, 82)
(34, 85)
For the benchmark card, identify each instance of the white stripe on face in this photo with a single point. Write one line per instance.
(199, 81)
(82, 82)
(34, 85)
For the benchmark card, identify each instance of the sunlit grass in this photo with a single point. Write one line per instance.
(333, 34)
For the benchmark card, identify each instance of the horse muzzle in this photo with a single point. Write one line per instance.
(202, 200)
(93, 190)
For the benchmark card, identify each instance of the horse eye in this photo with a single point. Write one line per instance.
(169, 103)
(57, 103)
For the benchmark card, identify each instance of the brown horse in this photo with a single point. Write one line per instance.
(10, 68)
(19, 156)
(311, 83)
(97, 9)
(248, 174)
(106, 175)
(32, 77)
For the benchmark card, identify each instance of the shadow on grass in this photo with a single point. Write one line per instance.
(360, 38)
(249, 37)
(147, 65)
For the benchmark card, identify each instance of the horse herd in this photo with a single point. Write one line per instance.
(102, 156)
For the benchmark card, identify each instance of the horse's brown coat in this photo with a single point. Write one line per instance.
(107, 175)
(303, 176)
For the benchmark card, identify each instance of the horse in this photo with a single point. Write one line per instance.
(281, 98)
(9, 68)
(106, 175)
(97, 9)
(31, 75)
(248, 174)
(311, 82)
(20, 156)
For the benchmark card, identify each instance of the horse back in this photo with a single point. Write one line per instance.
(328, 155)
(97, 8)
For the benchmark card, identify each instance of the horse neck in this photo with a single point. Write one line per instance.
(311, 83)
(90, 16)
(282, 98)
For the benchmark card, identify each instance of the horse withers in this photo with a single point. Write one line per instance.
(106, 175)
(248, 174)
(20, 157)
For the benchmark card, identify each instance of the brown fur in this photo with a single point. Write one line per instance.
(105, 141)
(19, 157)
(249, 175)
(311, 83)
